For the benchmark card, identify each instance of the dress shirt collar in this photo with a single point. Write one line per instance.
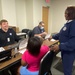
(69, 21)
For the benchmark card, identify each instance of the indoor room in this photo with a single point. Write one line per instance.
(27, 14)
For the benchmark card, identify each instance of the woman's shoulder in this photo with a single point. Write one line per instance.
(44, 47)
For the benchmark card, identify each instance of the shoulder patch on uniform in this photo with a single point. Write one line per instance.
(64, 29)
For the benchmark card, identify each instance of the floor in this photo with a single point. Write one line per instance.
(53, 69)
(56, 71)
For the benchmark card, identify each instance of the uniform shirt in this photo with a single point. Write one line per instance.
(37, 30)
(34, 61)
(66, 36)
(8, 38)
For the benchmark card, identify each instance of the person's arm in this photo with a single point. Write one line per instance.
(41, 34)
(23, 60)
(70, 44)
(23, 63)
(44, 49)
(37, 32)
(56, 36)
(15, 36)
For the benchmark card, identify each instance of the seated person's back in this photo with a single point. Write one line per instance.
(32, 56)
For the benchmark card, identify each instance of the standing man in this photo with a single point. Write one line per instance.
(39, 30)
(7, 35)
(66, 36)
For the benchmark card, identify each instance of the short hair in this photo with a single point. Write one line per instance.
(70, 12)
(3, 20)
(41, 22)
(34, 45)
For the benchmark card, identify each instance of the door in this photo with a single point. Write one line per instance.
(45, 13)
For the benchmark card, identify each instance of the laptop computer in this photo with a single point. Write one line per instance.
(4, 54)
(7, 54)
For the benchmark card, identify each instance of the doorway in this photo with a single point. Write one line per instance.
(45, 14)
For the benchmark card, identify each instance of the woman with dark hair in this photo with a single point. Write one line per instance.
(32, 56)
(66, 36)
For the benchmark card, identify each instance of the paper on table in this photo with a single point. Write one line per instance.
(2, 49)
(21, 33)
(52, 40)
(23, 45)
(22, 51)
(59, 54)
(47, 36)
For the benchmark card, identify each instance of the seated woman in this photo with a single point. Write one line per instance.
(32, 56)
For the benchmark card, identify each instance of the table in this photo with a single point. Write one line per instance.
(49, 43)
(14, 60)
(20, 34)
(10, 62)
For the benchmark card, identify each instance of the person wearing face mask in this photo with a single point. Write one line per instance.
(39, 30)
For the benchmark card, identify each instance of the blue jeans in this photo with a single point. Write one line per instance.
(25, 71)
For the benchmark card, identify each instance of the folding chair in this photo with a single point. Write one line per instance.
(46, 62)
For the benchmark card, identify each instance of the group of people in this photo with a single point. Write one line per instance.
(35, 51)
(66, 37)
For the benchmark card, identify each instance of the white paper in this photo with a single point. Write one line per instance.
(59, 55)
(22, 51)
(21, 34)
(2, 49)
(52, 40)
(23, 45)
(47, 36)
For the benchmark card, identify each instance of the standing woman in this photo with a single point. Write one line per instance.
(66, 36)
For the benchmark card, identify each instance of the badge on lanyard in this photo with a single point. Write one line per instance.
(64, 29)
(8, 39)
(10, 33)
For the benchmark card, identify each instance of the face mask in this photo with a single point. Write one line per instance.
(41, 27)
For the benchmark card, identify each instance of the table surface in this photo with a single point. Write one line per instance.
(18, 56)
(20, 34)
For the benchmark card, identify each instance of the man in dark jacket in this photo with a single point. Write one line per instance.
(39, 30)
(7, 35)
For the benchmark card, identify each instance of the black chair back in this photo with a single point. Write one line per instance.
(25, 30)
(30, 33)
(46, 62)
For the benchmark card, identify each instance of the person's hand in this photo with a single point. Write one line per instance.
(37, 35)
(44, 33)
(55, 48)
(50, 38)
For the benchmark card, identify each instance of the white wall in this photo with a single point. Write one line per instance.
(34, 12)
(8, 11)
(58, 8)
(21, 14)
(0, 10)
(14, 11)
(37, 10)
(29, 13)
